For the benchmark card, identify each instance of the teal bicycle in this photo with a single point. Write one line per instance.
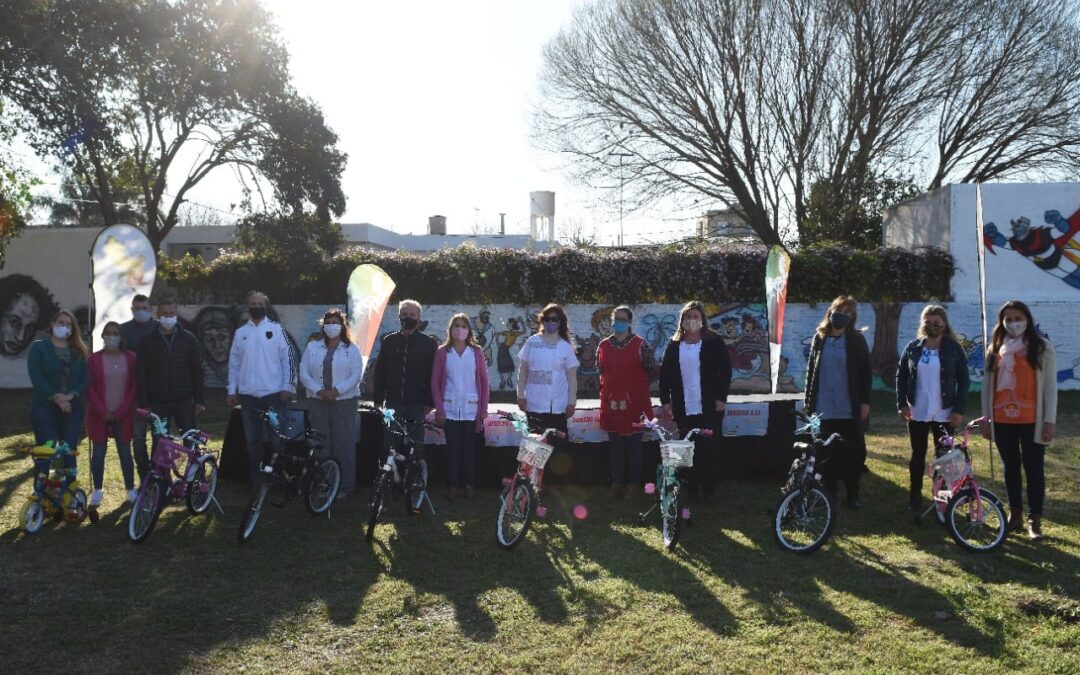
(668, 489)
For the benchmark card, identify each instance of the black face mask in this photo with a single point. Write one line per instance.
(257, 313)
(839, 320)
(408, 323)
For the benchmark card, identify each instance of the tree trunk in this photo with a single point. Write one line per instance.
(884, 356)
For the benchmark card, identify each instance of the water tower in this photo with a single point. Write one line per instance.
(542, 215)
(436, 224)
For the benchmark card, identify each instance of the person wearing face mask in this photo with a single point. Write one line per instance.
(57, 368)
(460, 388)
(547, 374)
(260, 374)
(1019, 397)
(402, 378)
(931, 390)
(141, 324)
(170, 376)
(838, 383)
(695, 378)
(626, 364)
(110, 409)
(330, 370)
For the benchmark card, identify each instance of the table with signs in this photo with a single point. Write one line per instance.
(758, 435)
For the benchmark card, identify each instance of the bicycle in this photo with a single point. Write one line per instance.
(414, 481)
(804, 518)
(195, 482)
(668, 489)
(520, 496)
(290, 466)
(57, 492)
(972, 514)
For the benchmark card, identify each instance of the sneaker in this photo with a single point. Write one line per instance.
(132, 495)
(95, 498)
(1034, 528)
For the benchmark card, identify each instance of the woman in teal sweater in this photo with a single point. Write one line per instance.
(58, 374)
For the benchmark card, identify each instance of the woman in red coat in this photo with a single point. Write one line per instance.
(110, 409)
(626, 363)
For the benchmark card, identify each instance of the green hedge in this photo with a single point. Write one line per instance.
(470, 275)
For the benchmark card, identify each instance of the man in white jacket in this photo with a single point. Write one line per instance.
(260, 374)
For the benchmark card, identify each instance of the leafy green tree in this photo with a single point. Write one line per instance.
(295, 241)
(833, 216)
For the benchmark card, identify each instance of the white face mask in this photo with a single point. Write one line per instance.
(332, 330)
(61, 332)
(1015, 328)
(111, 341)
(167, 322)
(692, 325)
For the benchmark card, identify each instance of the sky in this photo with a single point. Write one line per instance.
(432, 101)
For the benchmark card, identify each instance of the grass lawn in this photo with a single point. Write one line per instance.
(601, 594)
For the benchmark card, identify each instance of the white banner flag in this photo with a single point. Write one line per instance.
(123, 265)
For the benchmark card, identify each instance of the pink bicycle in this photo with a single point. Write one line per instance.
(520, 497)
(972, 514)
(195, 482)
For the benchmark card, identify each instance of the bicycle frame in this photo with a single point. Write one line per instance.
(667, 476)
(941, 497)
(526, 471)
(412, 460)
(168, 453)
(44, 471)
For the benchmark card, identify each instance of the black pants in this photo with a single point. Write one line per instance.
(624, 459)
(179, 417)
(845, 462)
(702, 476)
(538, 424)
(1017, 446)
(919, 433)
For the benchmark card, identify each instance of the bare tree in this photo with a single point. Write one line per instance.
(752, 102)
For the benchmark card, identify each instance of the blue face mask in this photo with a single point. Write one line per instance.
(620, 326)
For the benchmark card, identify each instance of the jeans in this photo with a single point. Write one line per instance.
(179, 416)
(50, 424)
(123, 449)
(706, 451)
(918, 432)
(461, 452)
(846, 461)
(1017, 447)
(251, 412)
(624, 459)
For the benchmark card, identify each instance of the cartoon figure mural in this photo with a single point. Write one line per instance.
(505, 339)
(1054, 248)
(484, 332)
(26, 307)
(745, 332)
(657, 328)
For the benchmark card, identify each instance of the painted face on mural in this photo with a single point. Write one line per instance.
(216, 342)
(18, 324)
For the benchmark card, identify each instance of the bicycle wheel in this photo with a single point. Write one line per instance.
(415, 486)
(201, 487)
(145, 510)
(76, 505)
(32, 517)
(254, 509)
(378, 499)
(671, 515)
(804, 519)
(978, 525)
(516, 506)
(322, 486)
(937, 483)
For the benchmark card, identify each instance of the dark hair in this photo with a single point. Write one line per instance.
(139, 297)
(114, 324)
(15, 285)
(335, 313)
(1031, 336)
(564, 324)
(841, 302)
(167, 301)
(623, 308)
(690, 306)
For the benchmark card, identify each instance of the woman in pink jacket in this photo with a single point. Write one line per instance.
(459, 387)
(110, 409)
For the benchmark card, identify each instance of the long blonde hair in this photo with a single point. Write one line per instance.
(936, 310)
(75, 341)
(843, 302)
(470, 340)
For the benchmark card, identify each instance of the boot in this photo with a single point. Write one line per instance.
(1034, 528)
(1016, 519)
(915, 498)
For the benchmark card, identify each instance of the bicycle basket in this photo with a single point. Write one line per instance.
(953, 466)
(677, 453)
(534, 452)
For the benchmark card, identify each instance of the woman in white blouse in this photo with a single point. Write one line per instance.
(460, 390)
(330, 371)
(547, 373)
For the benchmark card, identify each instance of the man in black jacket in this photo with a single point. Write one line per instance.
(170, 373)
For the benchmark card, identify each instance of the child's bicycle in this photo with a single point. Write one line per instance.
(180, 468)
(668, 489)
(805, 516)
(520, 496)
(57, 492)
(290, 468)
(971, 513)
(411, 478)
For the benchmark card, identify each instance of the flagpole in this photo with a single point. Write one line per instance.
(981, 257)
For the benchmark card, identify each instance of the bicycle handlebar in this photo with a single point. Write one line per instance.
(834, 437)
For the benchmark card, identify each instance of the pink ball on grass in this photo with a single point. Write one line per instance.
(581, 512)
